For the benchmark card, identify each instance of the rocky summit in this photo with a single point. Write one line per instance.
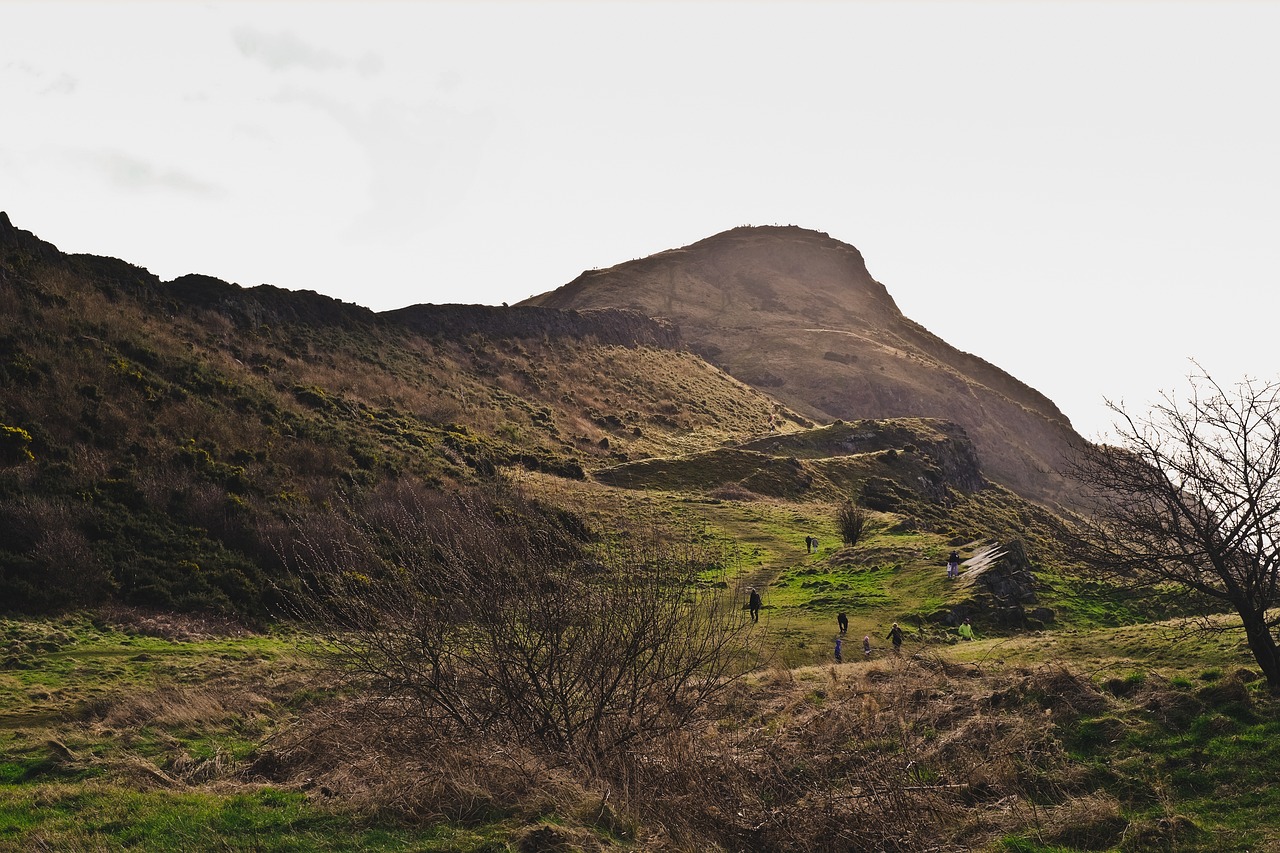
(795, 313)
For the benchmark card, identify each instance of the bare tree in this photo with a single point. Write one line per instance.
(467, 611)
(1191, 498)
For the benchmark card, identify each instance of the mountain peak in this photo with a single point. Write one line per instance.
(736, 278)
(15, 238)
(795, 312)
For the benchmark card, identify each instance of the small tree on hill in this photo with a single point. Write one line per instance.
(1190, 499)
(851, 519)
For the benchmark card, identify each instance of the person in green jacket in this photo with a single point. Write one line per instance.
(966, 630)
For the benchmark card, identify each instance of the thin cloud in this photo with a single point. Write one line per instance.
(283, 50)
(65, 84)
(39, 81)
(132, 173)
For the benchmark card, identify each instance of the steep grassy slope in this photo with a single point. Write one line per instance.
(158, 441)
(796, 313)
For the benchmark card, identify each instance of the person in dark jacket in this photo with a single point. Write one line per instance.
(895, 634)
(753, 604)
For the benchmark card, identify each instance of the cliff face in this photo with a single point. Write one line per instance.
(796, 313)
(610, 326)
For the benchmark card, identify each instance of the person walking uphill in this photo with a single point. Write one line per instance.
(753, 604)
(895, 634)
(953, 566)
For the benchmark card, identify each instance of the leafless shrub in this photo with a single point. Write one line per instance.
(477, 612)
(851, 519)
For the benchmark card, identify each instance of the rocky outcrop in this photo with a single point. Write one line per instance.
(609, 326)
(796, 313)
(1001, 586)
(23, 245)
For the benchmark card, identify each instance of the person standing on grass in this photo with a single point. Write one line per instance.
(866, 646)
(966, 629)
(895, 634)
(842, 619)
(839, 650)
(753, 604)
(953, 566)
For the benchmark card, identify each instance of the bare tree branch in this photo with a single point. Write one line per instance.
(1191, 498)
(475, 611)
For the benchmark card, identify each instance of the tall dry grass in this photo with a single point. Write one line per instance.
(905, 754)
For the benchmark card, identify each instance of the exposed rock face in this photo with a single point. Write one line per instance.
(1003, 585)
(24, 242)
(621, 327)
(944, 443)
(796, 314)
(266, 304)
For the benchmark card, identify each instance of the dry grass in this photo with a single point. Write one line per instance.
(182, 627)
(177, 705)
(902, 754)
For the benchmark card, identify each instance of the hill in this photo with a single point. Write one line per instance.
(796, 314)
(163, 442)
(158, 440)
(173, 445)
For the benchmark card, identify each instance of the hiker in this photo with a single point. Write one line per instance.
(753, 604)
(810, 544)
(895, 634)
(839, 655)
(953, 566)
(866, 646)
(842, 619)
(966, 629)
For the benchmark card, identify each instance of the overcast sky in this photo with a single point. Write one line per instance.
(1086, 194)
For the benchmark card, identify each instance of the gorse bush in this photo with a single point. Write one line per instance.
(15, 445)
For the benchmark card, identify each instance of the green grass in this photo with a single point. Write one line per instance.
(100, 726)
(96, 816)
(1181, 724)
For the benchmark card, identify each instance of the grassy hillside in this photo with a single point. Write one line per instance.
(159, 441)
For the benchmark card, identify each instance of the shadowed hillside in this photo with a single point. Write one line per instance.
(796, 313)
(159, 440)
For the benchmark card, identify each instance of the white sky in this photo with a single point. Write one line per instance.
(1086, 194)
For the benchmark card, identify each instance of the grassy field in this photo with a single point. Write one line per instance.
(127, 730)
